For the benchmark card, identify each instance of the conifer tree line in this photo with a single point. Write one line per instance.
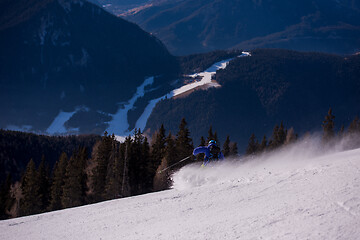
(282, 136)
(113, 170)
(116, 170)
(16, 149)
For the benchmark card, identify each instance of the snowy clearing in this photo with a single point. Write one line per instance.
(57, 126)
(206, 76)
(119, 124)
(298, 193)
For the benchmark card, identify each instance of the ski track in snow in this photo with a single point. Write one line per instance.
(298, 193)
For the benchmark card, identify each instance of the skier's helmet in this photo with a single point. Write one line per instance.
(212, 142)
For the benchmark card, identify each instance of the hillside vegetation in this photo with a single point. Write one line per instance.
(269, 87)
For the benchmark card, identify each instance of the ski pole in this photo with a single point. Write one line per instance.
(174, 164)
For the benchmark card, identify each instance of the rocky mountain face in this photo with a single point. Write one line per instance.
(62, 55)
(265, 89)
(191, 26)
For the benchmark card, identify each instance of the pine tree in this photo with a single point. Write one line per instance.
(148, 173)
(281, 135)
(328, 126)
(353, 132)
(6, 198)
(101, 161)
(162, 180)
(226, 147)
(210, 134)
(354, 126)
(113, 176)
(157, 150)
(216, 139)
(201, 156)
(125, 181)
(263, 144)
(233, 149)
(138, 159)
(274, 143)
(170, 150)
(202, 141)
(341, 131)
(31, 201)
(278, 137)
(253, 145)
(44, 184)
(290, 136)
(74, 189)
(83, 156)
(58, 183)
(183, 142)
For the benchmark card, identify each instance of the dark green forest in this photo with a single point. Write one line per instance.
(89, 169)
(17, 148)
(108, 169)
(282, 136)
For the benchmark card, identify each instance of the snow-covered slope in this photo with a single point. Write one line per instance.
(300, 193)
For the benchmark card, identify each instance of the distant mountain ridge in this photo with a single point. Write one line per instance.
(62, 55)
(119, 6)
(191, 26)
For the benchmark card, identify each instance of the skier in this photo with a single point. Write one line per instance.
(212, 152)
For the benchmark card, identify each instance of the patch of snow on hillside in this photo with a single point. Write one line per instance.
(58, 125)
(206, 77)
(141, 122)
(119, 123)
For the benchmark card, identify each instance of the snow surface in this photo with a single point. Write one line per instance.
(119, 124)
(57, 126)
(303, 192)
(206, 76)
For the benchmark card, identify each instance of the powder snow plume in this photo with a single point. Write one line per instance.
(304, 153)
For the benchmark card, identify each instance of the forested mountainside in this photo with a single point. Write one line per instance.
(17, 148)
(62, 55)
(271, 86)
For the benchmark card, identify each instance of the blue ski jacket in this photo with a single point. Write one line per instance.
(206, 151)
